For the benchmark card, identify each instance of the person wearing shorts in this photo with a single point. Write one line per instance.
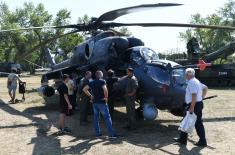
(12, 84)
(65, 105)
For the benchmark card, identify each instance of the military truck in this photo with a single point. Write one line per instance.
(217, 74)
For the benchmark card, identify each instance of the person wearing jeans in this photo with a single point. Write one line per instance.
(103, 109)
(99, 97)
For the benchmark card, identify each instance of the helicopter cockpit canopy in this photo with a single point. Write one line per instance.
(159, 74)
(141, 55)
(148, 54)
(178, 76)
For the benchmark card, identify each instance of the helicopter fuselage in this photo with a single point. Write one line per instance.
(158, 84)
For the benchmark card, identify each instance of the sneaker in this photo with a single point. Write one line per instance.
(98, 136)
(61, 132)
(113, 137)
(201, 144)
(66, 130)
(181, 141)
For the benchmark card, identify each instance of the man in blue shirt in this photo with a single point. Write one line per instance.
(99, 97)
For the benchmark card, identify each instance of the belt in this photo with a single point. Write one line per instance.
(196, 102)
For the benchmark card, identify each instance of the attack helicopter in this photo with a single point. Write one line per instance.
(161, 82)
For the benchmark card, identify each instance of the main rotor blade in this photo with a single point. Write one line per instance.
(111, 15)
(79, 27)
(167, 25)
(117, 32)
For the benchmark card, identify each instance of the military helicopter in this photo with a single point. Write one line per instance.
(161, 82)
(6, 67)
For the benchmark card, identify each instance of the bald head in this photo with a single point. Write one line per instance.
(99, 74)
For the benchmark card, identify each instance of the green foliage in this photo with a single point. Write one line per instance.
(212, 39)
(124, 30)
(84, 20)
(19, 45)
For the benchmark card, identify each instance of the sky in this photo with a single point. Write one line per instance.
(159, 39)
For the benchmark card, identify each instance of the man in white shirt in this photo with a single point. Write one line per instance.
(12, 84)
(195, 92)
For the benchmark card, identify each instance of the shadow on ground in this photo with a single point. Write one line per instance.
(154, 135)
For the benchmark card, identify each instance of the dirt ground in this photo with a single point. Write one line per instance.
(31, 127)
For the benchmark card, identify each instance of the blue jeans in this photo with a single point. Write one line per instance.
(103, 109)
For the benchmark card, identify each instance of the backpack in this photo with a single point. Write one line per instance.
(22, 86)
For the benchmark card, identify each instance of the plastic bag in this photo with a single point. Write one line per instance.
(188, 123)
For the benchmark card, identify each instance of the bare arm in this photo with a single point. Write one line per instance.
(204, 91)
(19, 79)
(194, 97)
(122, 78)
(86, 91)
(66, 99)
(106, 94)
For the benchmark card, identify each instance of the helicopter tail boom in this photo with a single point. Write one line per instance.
(50, 58)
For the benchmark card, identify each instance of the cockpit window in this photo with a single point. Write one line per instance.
(159, 74)
(148, 54)
(178, 76)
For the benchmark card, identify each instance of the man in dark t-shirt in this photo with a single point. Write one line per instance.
(65, 105)
(99, 97)
(111, 80)
(84, 99)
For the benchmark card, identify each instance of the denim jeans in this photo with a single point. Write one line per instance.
(103, 109)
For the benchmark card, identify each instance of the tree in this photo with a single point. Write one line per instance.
(210, 39)
(124, 30)
(17, 46)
